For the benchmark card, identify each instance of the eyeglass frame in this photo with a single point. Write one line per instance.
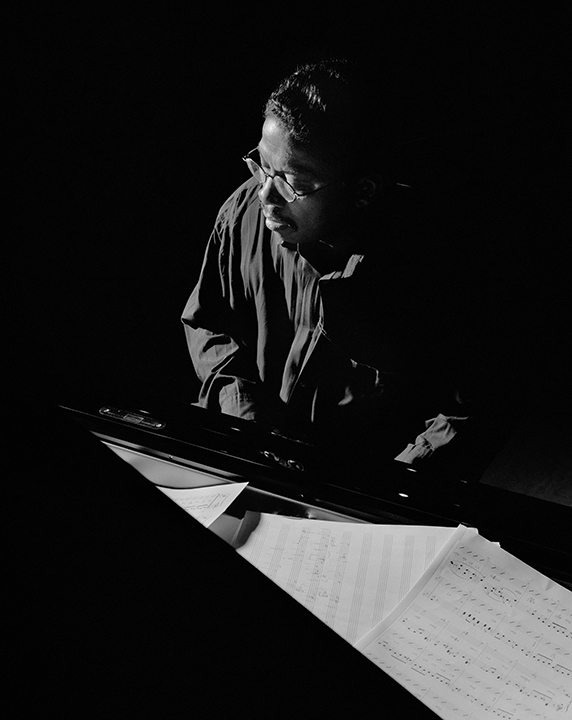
(297, 195)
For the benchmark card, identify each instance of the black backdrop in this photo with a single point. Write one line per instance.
(129, 128)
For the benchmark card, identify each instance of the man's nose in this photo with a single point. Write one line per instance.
(268, 194)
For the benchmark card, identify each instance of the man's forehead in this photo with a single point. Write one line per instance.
(278, 149)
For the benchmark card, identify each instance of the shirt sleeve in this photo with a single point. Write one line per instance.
(217, 329)
(439, 431)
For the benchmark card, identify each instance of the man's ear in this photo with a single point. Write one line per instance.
(368, 189)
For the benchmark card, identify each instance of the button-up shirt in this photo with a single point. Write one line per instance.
(353, 351)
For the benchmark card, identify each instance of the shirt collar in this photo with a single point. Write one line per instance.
(350, 268)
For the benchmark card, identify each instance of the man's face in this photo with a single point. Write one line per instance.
(323, 216)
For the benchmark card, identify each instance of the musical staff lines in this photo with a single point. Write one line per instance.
(349, 575)
(485, 637)
(205, 504)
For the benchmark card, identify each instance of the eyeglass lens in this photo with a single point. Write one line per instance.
(280, 184)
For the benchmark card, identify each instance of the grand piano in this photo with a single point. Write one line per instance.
(286, 476)
(122, 603)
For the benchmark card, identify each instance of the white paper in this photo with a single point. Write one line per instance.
(205, 504)
(350, 575)
(480, 636)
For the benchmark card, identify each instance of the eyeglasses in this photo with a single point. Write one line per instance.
(282, 186)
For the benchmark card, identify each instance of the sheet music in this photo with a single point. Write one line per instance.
(205, 504)
(480, 636)
(350, 575)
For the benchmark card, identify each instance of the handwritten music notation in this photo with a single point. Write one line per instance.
(205, 504)
(350, 575)
(482, 635)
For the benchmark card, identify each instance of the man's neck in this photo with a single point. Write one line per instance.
(326, 258)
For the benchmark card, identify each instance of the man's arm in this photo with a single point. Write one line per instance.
(217, 327)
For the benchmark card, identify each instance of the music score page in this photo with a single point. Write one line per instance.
(480, 636)
(205, 504)
(350, 575)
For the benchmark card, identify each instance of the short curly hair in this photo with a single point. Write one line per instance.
(336, 111)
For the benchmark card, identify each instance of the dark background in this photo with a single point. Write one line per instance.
(126, 129)
(129, 126)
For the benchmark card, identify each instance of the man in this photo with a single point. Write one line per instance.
(308, 315)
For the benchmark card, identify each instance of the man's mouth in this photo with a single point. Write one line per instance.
(275, 223)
